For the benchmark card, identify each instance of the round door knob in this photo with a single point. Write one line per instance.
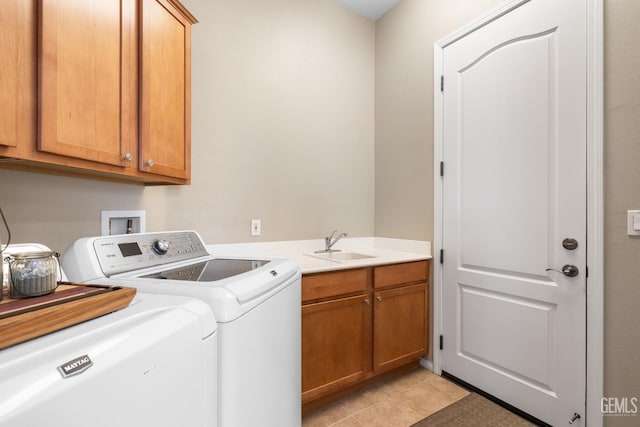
(379, 298)
(161, 247)
(366, 301)
(570, 270)
(128, 157)
(150, 163)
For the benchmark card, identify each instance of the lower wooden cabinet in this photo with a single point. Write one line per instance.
(377, 322)
(400, 333)
(336, 344)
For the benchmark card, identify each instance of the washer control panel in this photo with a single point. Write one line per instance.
(122, 253)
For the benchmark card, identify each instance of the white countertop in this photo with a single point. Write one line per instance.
(381, 250)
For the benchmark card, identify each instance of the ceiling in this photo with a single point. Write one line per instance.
(372, 9)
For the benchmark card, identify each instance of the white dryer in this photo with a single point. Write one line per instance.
(148, 364)
(256, 303)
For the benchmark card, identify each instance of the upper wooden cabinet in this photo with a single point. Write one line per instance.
(112, 88)
(165, 110)
(17, 74)
(84, 108)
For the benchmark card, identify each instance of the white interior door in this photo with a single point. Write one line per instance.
(514, 193)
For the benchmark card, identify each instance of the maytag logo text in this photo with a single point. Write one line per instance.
(75, 366)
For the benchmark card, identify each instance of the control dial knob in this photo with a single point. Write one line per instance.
(161, 247)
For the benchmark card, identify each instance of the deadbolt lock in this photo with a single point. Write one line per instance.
(570, 244)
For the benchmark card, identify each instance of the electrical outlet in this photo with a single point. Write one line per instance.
(256, 227)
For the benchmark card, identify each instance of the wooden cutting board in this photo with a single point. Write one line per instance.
(70, 304)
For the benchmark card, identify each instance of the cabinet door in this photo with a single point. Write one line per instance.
(17, 72)
(336, 344)
(166, 89)
(85, 75)
(400, 326)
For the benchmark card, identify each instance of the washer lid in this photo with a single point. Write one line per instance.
(246, 279)
(210, 270)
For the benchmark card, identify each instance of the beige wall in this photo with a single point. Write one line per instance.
(622, 192)
(404, 144)
(56, 210)
(282, 123)
(283, 130)
(404, 110)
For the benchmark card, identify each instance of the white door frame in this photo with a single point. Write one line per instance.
(595, 215)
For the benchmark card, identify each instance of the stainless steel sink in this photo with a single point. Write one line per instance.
(341, 256)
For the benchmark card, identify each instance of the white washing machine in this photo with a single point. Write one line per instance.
(148, 364)
(256, 304)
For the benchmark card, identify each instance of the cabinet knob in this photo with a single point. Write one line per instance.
(150, 162)
(128, 157)
(366, 301)
(379, 298)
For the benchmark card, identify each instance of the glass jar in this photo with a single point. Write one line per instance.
(32, 274)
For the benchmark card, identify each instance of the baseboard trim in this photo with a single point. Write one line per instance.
(426, 364)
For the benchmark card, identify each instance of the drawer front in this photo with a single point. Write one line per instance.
(323, 285)
(397, 274)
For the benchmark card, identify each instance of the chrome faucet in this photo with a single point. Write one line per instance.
(330, 241)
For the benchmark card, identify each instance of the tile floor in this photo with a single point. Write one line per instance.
(399, 401)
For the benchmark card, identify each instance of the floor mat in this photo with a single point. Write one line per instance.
(474, 410)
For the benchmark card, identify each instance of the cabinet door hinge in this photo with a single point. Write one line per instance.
(441, 256)
(441, 342)
(442, 83)
(441, 168)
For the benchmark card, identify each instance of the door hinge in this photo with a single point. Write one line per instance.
(586, 271)
(441, 342)
(441, 256)
(442, 83)
(441, 168)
